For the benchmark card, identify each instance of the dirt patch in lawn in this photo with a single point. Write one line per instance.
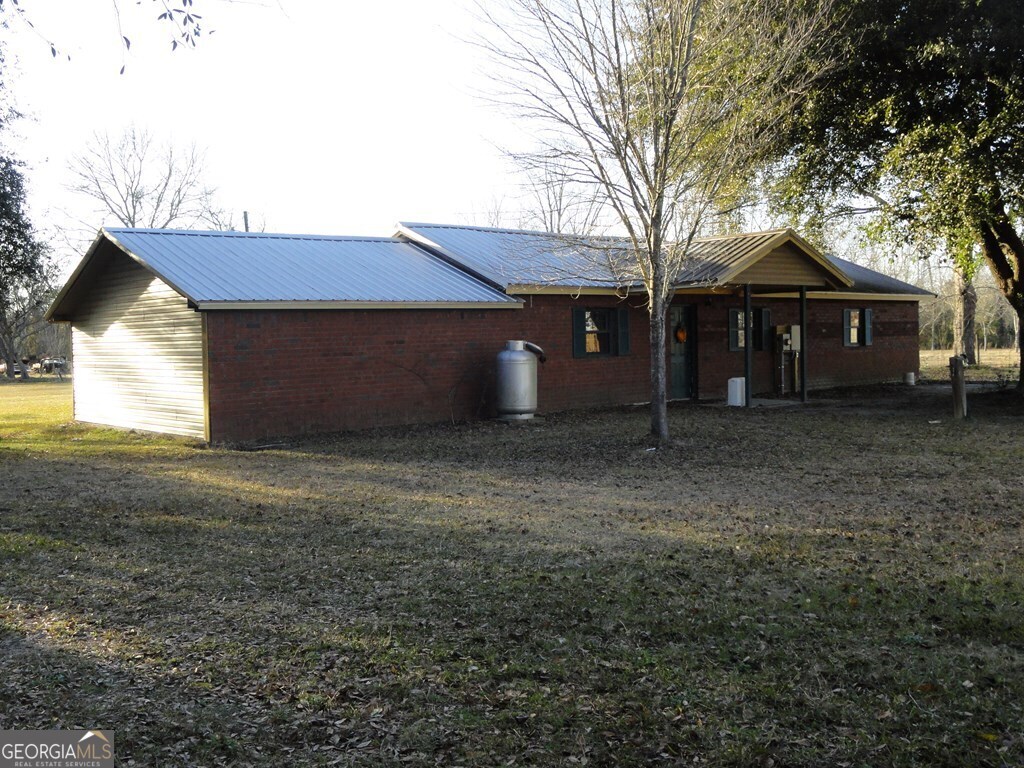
(831, 584)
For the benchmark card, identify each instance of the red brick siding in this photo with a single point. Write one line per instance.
(894, 349)
(289, 372)
(293, 372)
(893, 352)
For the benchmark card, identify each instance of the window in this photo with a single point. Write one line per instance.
(856, 327)
(762, 330)
(600, 332)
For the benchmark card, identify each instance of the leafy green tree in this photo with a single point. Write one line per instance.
(923, 117)
(23, 265)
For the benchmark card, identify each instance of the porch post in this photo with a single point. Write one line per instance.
(748, 346)
(803, 343)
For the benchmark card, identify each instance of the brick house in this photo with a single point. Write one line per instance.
(232, 336)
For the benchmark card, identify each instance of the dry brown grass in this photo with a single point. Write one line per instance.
(837, 584)
(1000, 366)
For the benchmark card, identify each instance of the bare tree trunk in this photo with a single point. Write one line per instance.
(659, 380)
(1020, 354)
(964, 318)
(1004, 252)
(7, 355)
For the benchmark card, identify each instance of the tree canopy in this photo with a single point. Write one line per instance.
(923, 117)
(19, 251)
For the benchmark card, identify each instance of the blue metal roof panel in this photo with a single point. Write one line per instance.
(259, 267)
(516, 257)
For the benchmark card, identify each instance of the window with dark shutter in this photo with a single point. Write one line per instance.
(623, 328)
(851, 327)
(737, 330)
(761, 330)
(600, 332)
(857, 327)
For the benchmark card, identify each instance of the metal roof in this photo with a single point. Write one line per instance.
(510, 257)
(505, 257)
(216, 269)
(426, 265)
(869, 281)
(712, 258)
(722, 260)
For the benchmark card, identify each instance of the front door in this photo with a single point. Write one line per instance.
(682, 345)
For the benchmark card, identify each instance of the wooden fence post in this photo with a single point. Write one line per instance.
(956, 373)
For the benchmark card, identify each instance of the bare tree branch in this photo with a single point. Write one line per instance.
(137, 182)
(658, 110)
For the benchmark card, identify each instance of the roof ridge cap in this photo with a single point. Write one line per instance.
(759, 233)
(252, 235)
(504, 230)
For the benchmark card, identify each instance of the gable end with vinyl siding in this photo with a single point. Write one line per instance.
(138, 354)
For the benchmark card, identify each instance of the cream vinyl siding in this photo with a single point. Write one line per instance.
(783, 266)
(138, 355)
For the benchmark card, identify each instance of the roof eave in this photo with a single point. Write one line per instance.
(850, 295)
(52, 314)
(570, 290)
(213, 306)
(55, 313)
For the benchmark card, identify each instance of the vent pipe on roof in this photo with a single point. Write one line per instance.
(245, 220)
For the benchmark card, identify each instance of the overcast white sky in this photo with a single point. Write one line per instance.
(319, 116)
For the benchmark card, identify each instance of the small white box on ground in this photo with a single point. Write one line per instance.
(909, 379)
(737, 391)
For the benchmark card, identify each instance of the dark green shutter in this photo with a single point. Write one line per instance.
(623, 321)
(734, 329)
(579, 332)
(866, 331)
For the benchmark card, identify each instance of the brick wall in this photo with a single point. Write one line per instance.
(297, 371)
(894, 349)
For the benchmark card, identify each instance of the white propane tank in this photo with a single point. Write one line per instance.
(517, 382)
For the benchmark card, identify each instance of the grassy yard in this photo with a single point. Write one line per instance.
(1001, 366)
(833, 585)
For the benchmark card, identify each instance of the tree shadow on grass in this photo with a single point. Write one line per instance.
(226, 611)
(422, 599)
